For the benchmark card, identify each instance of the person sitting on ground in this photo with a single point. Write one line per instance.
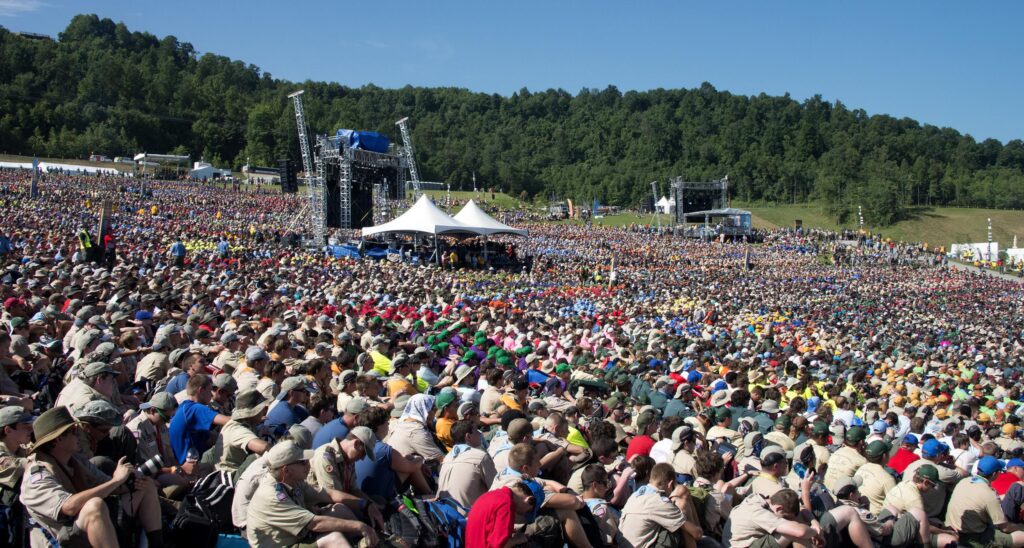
(64, 493)
(239, 439)
(284, 512)
(974, 512)
(289, 406)
(190, 428)
(467, 471)
(595, 493)
(656, 514)
(491, 522)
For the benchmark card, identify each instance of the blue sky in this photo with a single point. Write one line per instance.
(956, 64)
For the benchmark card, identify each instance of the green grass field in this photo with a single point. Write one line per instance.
(938, 226)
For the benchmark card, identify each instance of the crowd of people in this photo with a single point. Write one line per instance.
(197, 373)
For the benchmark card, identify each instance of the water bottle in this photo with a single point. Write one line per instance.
(192, 455)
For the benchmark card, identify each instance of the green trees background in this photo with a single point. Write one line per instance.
(101, 88)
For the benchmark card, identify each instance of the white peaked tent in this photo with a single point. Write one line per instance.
(471, 215)
(665, 205)
(422, 218)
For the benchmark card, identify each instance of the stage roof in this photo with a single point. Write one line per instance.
(727, 212)
(422, 218)
(471, 215)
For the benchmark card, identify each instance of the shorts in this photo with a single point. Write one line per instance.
(905, 532)
(72, 537)
(990, 538)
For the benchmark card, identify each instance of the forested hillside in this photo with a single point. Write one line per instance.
(105, 89)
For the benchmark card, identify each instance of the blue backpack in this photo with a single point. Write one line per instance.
(448, 519)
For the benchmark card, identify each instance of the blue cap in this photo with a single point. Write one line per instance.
(931, 448)
(143, 315)
(879, 426)
(1015, 462)
(910, 438)
(989, 465)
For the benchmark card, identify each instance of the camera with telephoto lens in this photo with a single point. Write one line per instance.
(148, 469)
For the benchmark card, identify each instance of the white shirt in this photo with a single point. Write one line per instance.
(662, 451)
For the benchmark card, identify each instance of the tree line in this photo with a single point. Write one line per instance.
(101, 88)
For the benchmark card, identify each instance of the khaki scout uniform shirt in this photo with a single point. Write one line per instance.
(147, 434)
(821, 454)
(47, 485)
(904, 496)
(76, 394)
(330, 468)
(842, 464)
(876, 483)
(153, 367)
(466, 476)
(11, 466)
(974, 507)
(236, 436)
(228, 361)
(644, 516)
(279, 515)
(936, 496)
(748, 522)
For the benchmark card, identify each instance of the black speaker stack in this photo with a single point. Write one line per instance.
(289, 176)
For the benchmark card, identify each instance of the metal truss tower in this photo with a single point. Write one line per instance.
(314, 182)
(408, 155)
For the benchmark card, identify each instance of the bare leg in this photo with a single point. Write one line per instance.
(924, 529)
(577, 537)
(95, 521)
(333, 540)
(144, 505)
(847, 518)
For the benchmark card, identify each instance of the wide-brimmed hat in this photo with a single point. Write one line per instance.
(770, 406)
(249, 404)
(720, 398)
(51, 424)
(98, 412)
(462, 372)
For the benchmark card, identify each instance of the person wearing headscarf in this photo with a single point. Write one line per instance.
(411, 433)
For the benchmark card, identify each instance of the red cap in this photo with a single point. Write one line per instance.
(13, 301)
(639, 445)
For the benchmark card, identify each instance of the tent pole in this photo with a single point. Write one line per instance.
(437, 250)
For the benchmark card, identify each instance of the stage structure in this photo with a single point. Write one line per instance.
(698, 196)
(352, 177)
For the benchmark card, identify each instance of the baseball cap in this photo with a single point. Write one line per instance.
(989, 465)
(15, 414)
(254, 353)
(100, 412)
(519, 428)
(1015, 463)
(876, 448)
(366, 436)
(933, 448)
(163, 401)
(911, 439)
(856, 434)
(820, 428)
(356, 406)
(928, 472)
(444, 399)
(879, 426)
(288, 452)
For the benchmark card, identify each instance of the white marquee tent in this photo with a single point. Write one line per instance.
(471, 215)
(422, 218)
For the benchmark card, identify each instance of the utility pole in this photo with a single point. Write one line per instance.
(990, 239)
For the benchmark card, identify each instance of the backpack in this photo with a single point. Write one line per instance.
(213, 495)
(402, 528)
(699, 496)
(448, 520)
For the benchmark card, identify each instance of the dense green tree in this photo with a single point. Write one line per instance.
(101, 88)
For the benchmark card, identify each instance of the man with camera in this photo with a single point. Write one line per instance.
(150, 429)
(71, 498)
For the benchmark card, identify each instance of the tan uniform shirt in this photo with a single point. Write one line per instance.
(876, 483)
(236, 437)
(11, 466)
(410, 437)
(76, 394)
(683, 463)
(904, 496)
(974, 507)
(245, 487)
(279, 515)
(842, 464)
(748, 522)
(153, 367)
(716, 432)
(330, 468)
(936, 496)
(821, 454)
(47, 486)
(490, 400)
(228, 361)
(146, 434)
(644, 516)
(466, 476)
(766, 485)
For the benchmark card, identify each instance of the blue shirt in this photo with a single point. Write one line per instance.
(178, 249)
(177, 384)
(190, 428)
(375, 477)
(330, 431)
(5, 245)
(284, 414)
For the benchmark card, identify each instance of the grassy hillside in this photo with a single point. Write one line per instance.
(939, 225)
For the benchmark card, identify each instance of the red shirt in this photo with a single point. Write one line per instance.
(491, 519)
(902, 459)
(1003, 482)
